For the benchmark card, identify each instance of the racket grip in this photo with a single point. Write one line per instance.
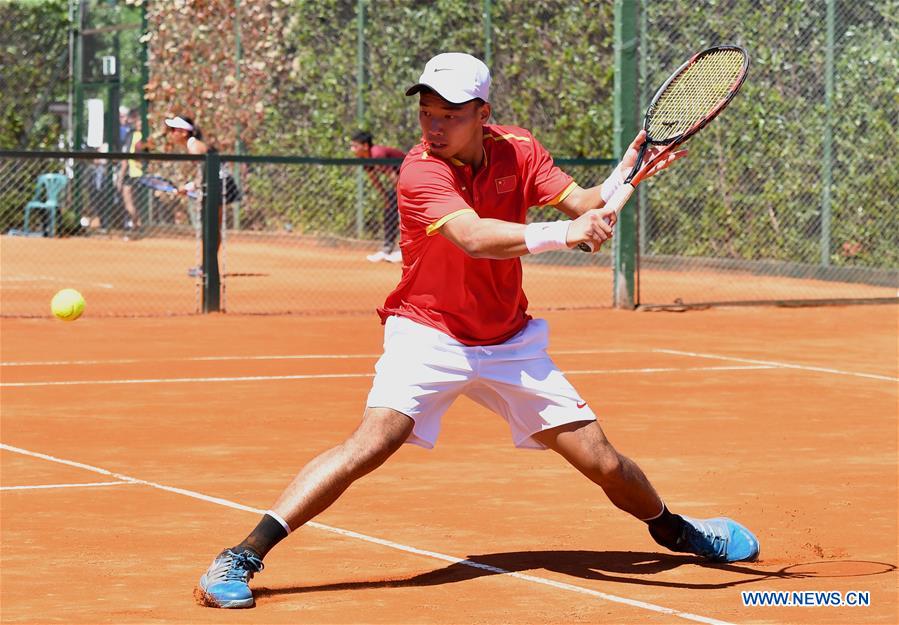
(616, 202)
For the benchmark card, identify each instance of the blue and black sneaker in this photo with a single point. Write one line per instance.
(225, 582)
(720, 540)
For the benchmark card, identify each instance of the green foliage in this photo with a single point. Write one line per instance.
(551, 71)
(216, 61)
(33, 72)
(314, 105)
(752, 187)
(866, 180)
(119, 23)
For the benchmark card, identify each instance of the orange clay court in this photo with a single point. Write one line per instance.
(270, 273)
(133, 450)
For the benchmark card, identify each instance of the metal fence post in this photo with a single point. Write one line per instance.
(144, 68)
(626, 127)
(642, 196)
(360, 111)
(827, 156)
(488, 32)
(78, 104)
(212, 204)
(238, 143)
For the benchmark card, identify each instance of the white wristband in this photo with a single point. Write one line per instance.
(611, 184)
(543, 236)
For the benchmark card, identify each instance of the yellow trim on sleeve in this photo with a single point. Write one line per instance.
(458, 163)
(434, 227)
(508, 136)
(564, 194)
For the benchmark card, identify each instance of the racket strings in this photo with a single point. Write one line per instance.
(694, 94)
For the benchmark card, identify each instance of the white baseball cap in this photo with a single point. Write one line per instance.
(456, 77)
(180, 123)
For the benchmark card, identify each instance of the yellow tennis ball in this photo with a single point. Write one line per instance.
(67, 305)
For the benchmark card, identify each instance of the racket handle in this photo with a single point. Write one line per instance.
(616, 202)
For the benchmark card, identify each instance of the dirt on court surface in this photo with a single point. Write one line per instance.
(133, 450)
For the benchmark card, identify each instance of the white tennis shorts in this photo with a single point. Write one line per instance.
(423, 370)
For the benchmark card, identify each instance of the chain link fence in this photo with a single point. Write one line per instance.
(787, 196)
(126, 247)
(309, 227)
(297, 241)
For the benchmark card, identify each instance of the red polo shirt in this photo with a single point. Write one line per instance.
(383, 151)
(477, 301)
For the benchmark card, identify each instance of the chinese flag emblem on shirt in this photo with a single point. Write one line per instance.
(506, 184)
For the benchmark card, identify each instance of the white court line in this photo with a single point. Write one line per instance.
(328, 376)
(669, 369)
(388, 543)
(780, 365)
(128, 361)
(125, 361)
(570, 352)
(41, 486)
(102, 285)
(247, 378)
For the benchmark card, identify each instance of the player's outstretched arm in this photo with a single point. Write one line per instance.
(493, 238)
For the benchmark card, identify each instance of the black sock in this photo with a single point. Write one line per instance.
(267, 534)
(666, 529)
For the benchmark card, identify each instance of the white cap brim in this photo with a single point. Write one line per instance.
(449, 94)
(179, 123)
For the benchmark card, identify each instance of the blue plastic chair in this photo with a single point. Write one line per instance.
(46, 197)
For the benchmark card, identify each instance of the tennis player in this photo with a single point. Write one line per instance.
(184, 132)
(457, 324)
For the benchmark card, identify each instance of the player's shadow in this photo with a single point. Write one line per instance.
(622, 567)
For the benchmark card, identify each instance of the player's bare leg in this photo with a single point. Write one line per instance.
(381, 432)
(324, 479)
(586, 447)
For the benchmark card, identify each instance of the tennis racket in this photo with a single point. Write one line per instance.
(691, 97)
(158, 183)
